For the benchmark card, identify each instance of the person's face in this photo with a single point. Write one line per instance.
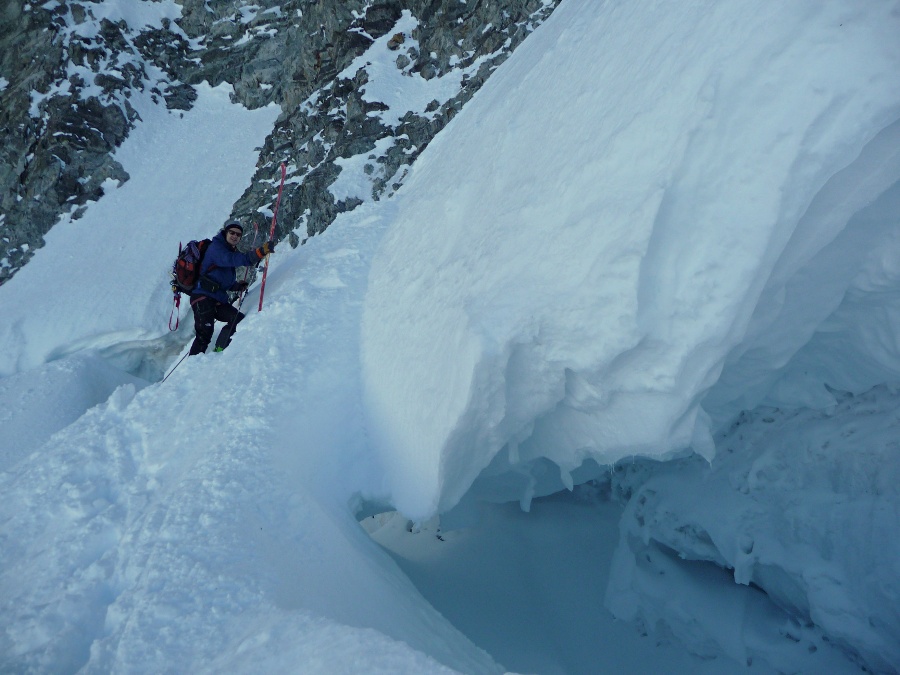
(233, 236)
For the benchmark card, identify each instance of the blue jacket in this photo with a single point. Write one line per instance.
(219, 265)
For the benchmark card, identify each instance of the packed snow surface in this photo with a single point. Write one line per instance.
(650, 219)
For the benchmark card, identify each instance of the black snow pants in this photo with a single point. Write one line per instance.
(206, 312)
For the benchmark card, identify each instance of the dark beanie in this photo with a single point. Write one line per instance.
(234, 226)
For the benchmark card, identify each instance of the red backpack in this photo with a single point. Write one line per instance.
(186, 268)
(185, 272)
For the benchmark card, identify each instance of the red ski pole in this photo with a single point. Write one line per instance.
(262, 288)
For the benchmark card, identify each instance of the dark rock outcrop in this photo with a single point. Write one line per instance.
(66, 78)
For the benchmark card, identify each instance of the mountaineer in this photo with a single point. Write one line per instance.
(209, 298)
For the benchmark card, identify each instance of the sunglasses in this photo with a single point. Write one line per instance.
(233, 233)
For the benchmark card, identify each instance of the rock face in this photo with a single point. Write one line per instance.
(66, 77)
(69, 72)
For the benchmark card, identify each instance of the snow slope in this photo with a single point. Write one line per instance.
(205, 520)
(638, 213)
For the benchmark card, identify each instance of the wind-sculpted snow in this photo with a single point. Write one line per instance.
(624, 285)
(830, 310)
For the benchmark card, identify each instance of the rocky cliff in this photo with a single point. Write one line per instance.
(69, 72)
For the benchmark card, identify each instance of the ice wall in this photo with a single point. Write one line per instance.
(649, 218)
(791, 535)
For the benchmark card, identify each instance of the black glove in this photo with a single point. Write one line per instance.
(266, 249)
(240, 286)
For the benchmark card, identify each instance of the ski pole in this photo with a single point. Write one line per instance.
(175, 366)
(262, 289)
